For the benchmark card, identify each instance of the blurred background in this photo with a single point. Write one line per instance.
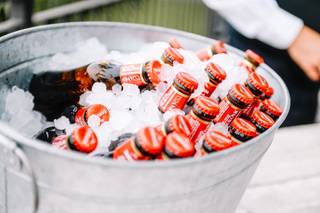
(188, 15)
(297, 170)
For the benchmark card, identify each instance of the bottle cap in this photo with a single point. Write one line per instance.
(254, 58)
(241, 93)
(187, 81)
(179, 146)
(174, 43)
(83, 139)
(244, 127)
(79, 117)
(271, 107)
(219, 47)
(216, 72)
(149, 141)
(262, 119)
(258, 82)
(180, 124)
(174, 55)
(207, 106)
(153, 69)
(216, 141)
(269, 92)
(99, 110)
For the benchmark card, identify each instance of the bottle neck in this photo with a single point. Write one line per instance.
(236, 102)
(182, 88)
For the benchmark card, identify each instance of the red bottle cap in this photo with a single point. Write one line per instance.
(262, 119)
(79, 117)
(219, 47)
(217, 141)
(179, 145)
(84, 139)
(258, 82)
(153, 68)
(207, 106)
(174, 43)
(254, 57)
(272, 107)
(187, 80)
(174, 55)
(241, 93)
(244, 127)
(269, 92)
(180, 124)
(99, 110)
(216, 71)
(150, 140)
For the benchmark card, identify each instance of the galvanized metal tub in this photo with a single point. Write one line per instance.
(35, 177)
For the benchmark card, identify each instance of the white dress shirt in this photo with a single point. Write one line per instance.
(260, 19)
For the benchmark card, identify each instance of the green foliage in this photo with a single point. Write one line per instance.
(188, 15)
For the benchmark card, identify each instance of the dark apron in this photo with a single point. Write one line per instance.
(307, 10)
(303, 92)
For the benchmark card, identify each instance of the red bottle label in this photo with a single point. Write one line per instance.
(172, 99)
(79, 117)
(128, 151)
(209, 88)
(199, 127)
(60, 142)
(251, 108)
(132, 74)
(227, 112)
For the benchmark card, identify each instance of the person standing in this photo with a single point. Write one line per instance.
(287, 34)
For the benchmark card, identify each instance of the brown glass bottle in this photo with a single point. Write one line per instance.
(53, 91)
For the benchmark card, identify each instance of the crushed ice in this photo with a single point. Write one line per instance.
(129, 109)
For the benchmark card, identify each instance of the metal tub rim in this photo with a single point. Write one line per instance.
(20, 139)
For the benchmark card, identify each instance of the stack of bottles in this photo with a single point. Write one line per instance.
(199, 123)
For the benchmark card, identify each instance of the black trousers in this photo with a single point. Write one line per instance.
(303, 92)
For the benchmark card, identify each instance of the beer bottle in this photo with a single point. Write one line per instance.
(177, 146)
(145, 145)
(82, 139)
(215, 141)
(272, 109)
(206, 53)
(262, 121)
(239, 97)
(258, 87)
(177, 95)
(242, 130)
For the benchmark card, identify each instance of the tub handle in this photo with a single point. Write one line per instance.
(13, 157)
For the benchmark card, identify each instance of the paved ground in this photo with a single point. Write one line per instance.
(288, 178)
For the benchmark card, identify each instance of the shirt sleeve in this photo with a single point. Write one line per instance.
(260, 19)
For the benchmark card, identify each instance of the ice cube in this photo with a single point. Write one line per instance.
(61, 123)
(99, 88)
(94, 121)
(119, 119)
(18, 99)
(70, 128)
(130, 90)
(172, 112)
(116, 89)
(221, 127)
(223, 60)
(167, 74)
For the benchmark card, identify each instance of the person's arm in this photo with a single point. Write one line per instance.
(260, 19)
(266, 21)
